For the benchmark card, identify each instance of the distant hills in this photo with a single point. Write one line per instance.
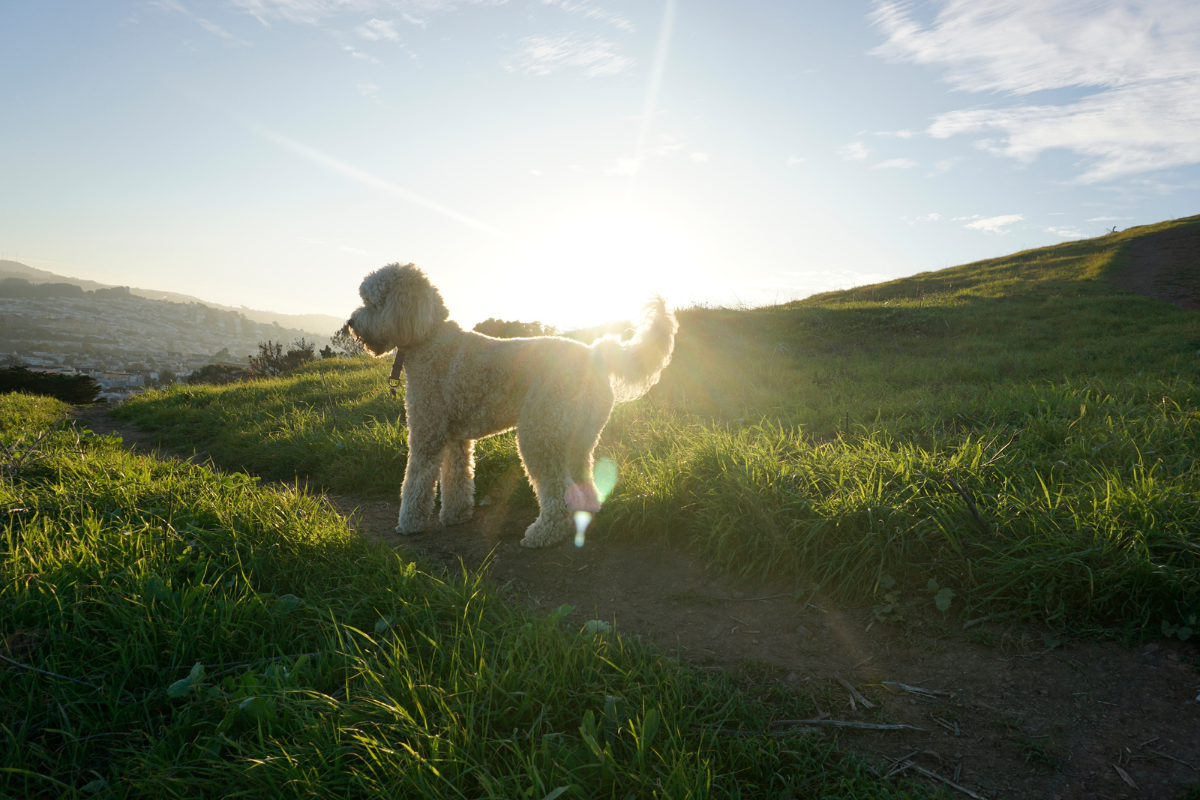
(79, 325)
(320, 325)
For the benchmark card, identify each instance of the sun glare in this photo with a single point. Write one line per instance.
(603, 267)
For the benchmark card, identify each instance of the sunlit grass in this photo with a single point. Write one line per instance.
(822, 441)
(202, 635)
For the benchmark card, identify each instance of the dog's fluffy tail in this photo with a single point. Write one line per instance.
(634, 366)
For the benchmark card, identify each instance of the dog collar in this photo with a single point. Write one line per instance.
(397, 365)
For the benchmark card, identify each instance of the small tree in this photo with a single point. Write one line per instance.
(218, 374)
(269, 361)
(344, 345)
(272, 361)
(74, 389)
(301, 352)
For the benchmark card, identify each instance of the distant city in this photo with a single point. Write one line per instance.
(124, 341)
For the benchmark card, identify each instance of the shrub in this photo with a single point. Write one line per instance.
(218, 374)
(74, 389)
(343, 345)
(503, 329)
(272, 361)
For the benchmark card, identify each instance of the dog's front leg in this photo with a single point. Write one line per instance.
(458, 482)
(420, 477)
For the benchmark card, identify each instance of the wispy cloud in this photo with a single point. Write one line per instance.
(794, 160)
(900, 134)
(895, 163)
(945, 165)
(211, 27)
(542, 55)
(368, 90)
(1064, 232)
(359, 54)
(312, 12)
(592, 11)
(931, 217)
(666, 144)
(1140, 59)
(855, 151)
(699, 157)
(994, 224)
(377, 29)
(377, 183)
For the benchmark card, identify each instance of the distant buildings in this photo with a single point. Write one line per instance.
(125, 341)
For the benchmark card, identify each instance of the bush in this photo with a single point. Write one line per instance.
(218, 374)
(19, 287)
(272, 361)
(503, 329)
(343, 345)
(73, 389)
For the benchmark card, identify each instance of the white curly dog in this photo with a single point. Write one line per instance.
(463, 386)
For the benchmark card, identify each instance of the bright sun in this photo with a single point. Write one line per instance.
(604, 266)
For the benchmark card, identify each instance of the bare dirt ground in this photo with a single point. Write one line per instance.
(1165, 266)
(1001, 715)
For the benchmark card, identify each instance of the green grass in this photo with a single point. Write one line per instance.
(823, 441)
(332, 423)
(203, 635)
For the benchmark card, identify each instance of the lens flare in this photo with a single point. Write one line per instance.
(582, 520)
(605, 476)
(605, 479)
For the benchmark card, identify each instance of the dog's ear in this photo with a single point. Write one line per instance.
(421, 310)
(376, 287)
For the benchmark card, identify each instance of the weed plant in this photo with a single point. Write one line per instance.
(168, 630)
(1017, 430)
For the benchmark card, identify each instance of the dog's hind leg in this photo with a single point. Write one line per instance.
(420, 480)
(545, 462)
(555, 521)
(589, 422)
(458, 482)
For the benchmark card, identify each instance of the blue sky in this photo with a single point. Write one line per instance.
(560, 160)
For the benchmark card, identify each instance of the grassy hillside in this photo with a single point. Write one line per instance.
(1014, 436)
(171, 631)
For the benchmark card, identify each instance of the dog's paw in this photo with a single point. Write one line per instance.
(457, 518)
(543, 536)
(410, 528)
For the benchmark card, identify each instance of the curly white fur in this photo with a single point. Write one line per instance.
(463, 386)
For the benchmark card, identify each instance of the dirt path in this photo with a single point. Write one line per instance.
(1006, 717)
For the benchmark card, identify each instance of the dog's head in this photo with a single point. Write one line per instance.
(400, 308)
